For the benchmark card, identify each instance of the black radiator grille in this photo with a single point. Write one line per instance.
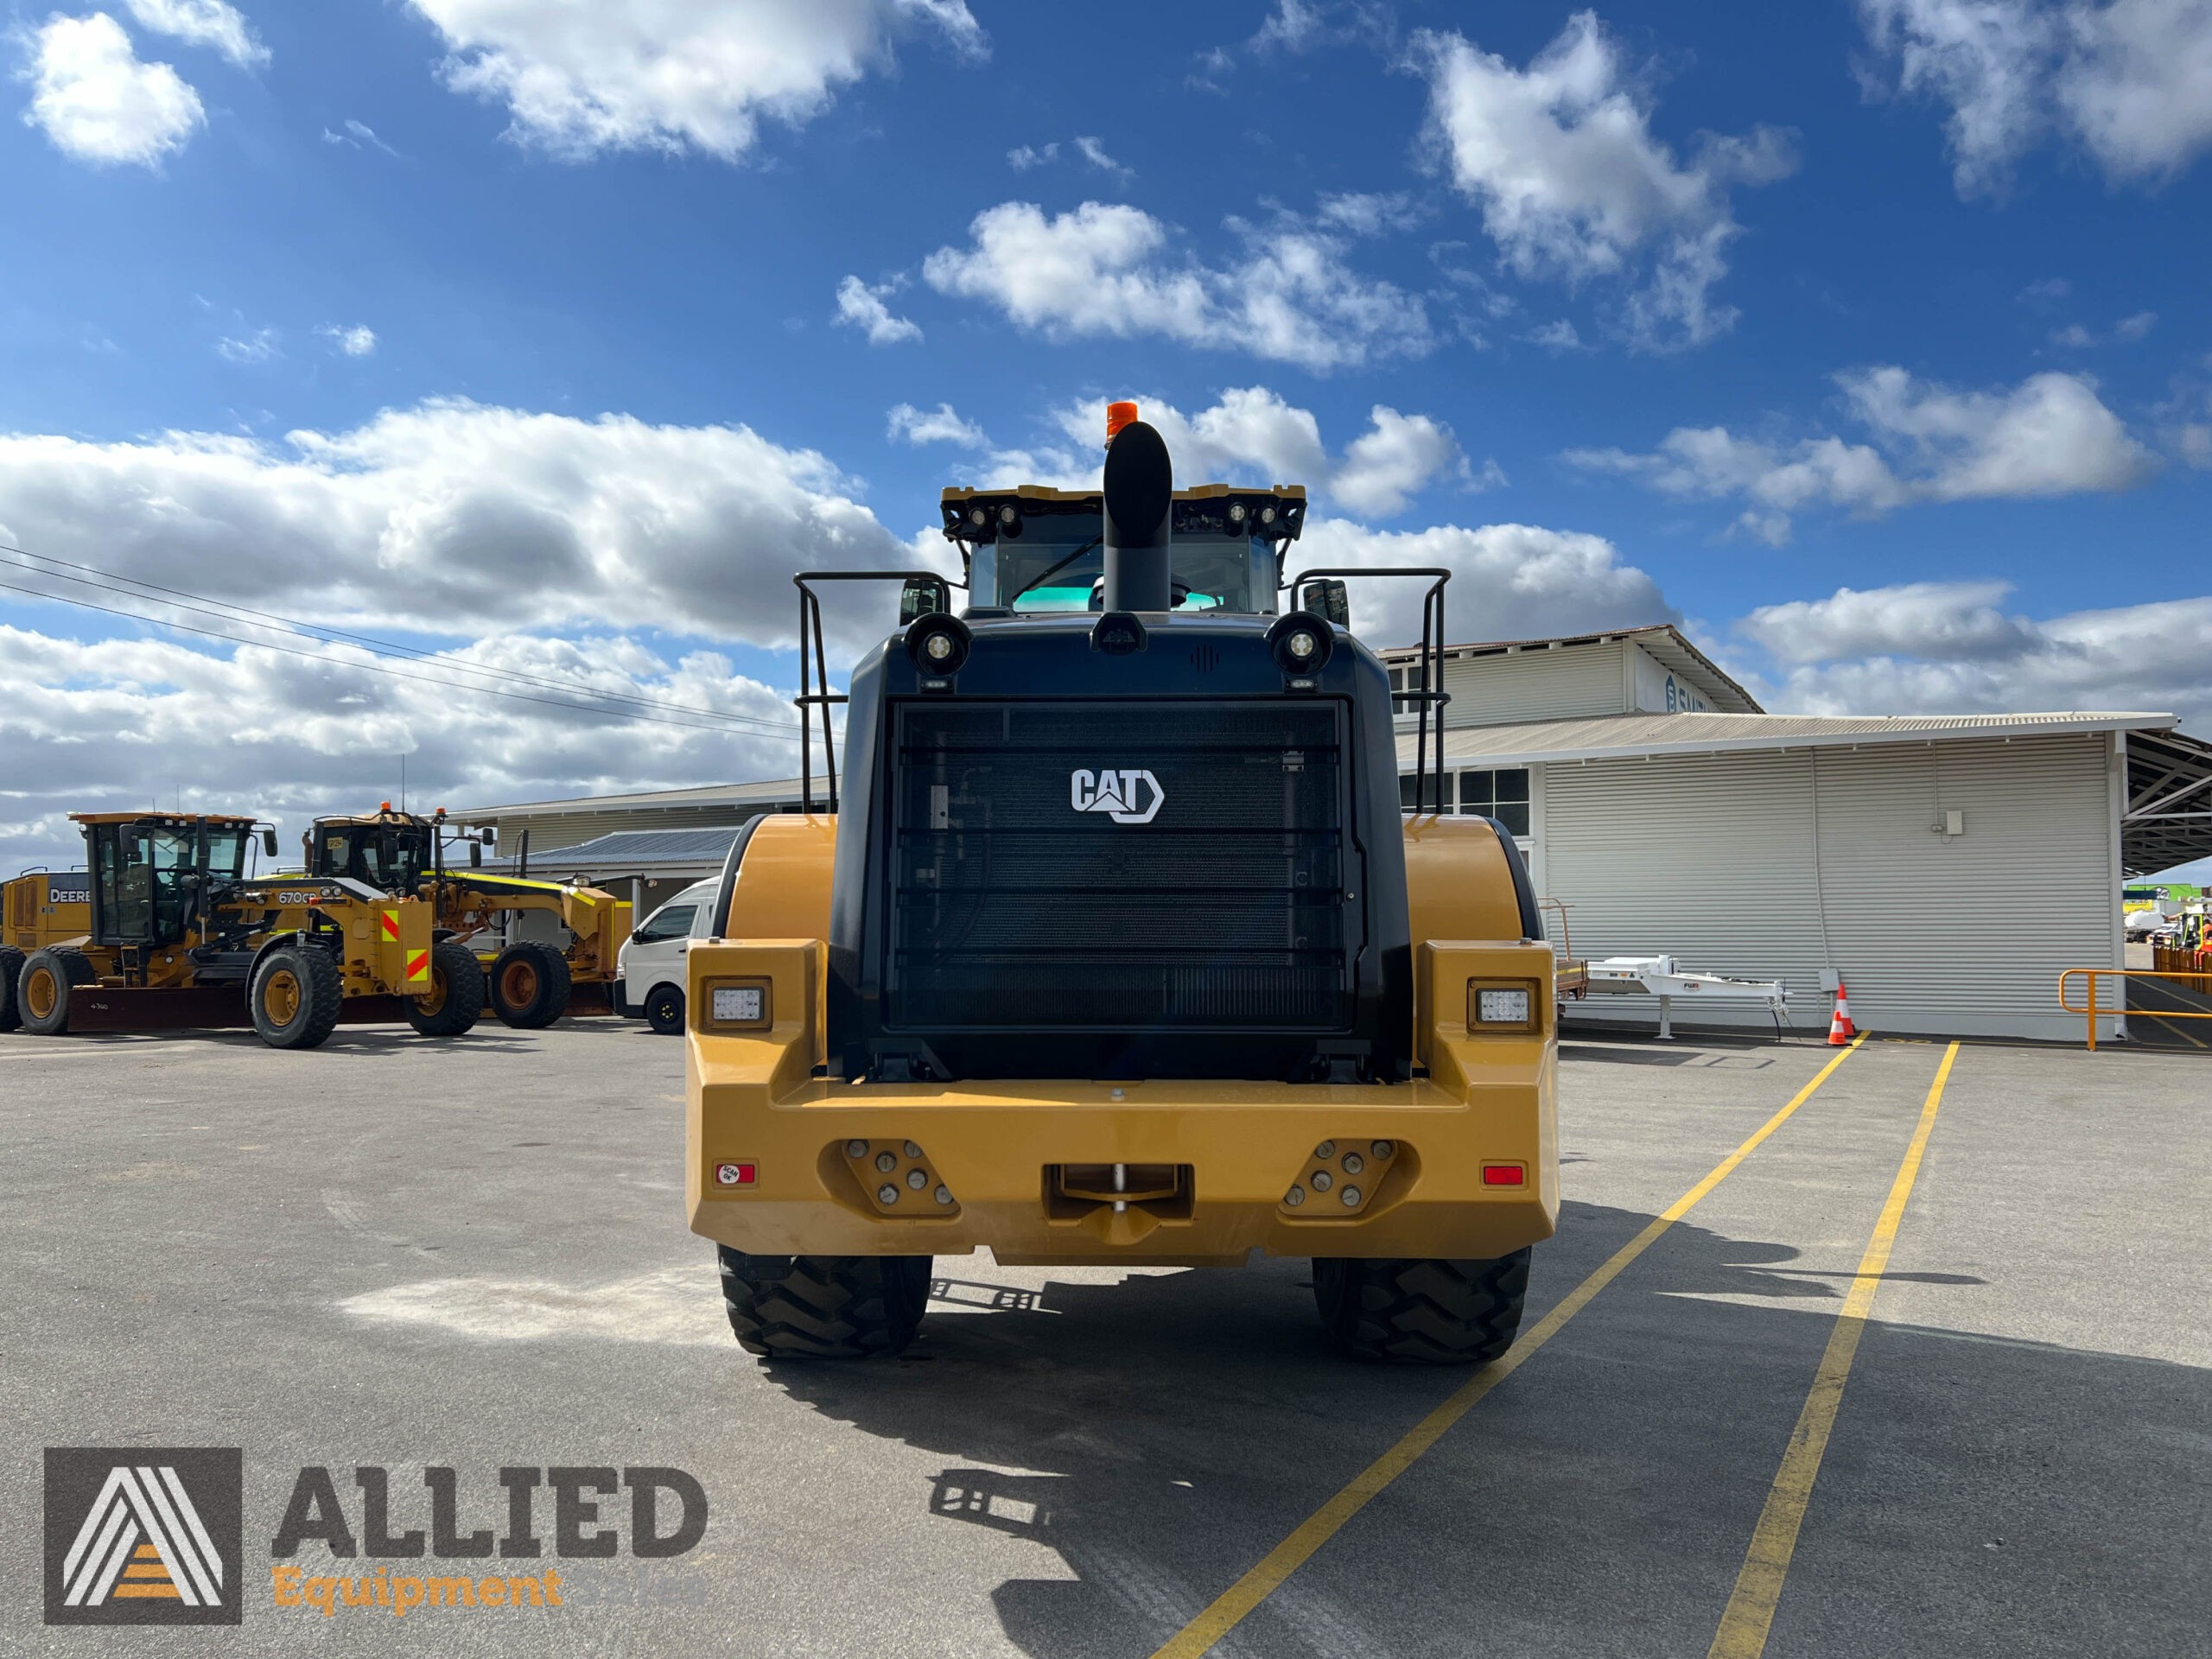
(1013, 910)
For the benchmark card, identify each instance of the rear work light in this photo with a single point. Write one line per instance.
(1504, 1005)
(739, 1005)
(1504, 1175)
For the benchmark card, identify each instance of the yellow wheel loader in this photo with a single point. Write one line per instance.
(1115, 948)
(38, 908)
(547, 948)
(177, 934)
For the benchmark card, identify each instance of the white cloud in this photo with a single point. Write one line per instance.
(357, 134)
(1559, 336)
(97, 102)
(940, 425)
(358, 340)
(2049, 436)
(1949, 647)
(1370, 212)
(673, 75)
(449, 510)
(1094, 152)
(2137, 327)
(1026, 156)
(257, 346)
(214, 24)
(1385, 468)
(1509, 582)
(861, 307)
(95, 723)
(1104, 270)
(1251, 436)
(2129, 81)
(1951, 620)
(1573, 183)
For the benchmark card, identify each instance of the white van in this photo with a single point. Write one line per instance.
(649, 973)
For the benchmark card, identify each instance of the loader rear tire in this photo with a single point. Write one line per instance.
(42, 989)
(529, 986)
(1422, 1312)
(456, 998)
(296, 996)
(824, 1306)
(11, 968)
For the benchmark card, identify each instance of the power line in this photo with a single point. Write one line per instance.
(639, 708)
(377, 668)
(324, 634)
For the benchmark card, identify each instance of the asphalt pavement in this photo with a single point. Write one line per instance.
(395, 1254)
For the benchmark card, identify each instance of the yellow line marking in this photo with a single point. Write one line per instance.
(1228, 1608)
(1750, 1613)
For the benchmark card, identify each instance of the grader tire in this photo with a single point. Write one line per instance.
(296, 998)
(1422, 1312)
(456, 998)
(824, 1306)
(43, 990)
(11, 966)
(529, 986)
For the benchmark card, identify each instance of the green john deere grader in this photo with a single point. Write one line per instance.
(178, 934)
(547, 948)
(1113, 947)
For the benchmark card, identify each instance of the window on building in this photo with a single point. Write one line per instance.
(1502, 794)
(1430, 801)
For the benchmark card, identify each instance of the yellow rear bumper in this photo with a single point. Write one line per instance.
(781, 1161)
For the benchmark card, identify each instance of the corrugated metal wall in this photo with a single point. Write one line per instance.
(1537, 685)
(1714, 860)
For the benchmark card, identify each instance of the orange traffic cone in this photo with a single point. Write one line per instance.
(1841, 1030)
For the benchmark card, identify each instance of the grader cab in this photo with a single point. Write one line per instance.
(547, 948)
(1115, 948)
(178, 933)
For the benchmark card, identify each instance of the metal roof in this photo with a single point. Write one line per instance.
(2169, 815)
(1667, 644)
(752, 797)
(1628, 736)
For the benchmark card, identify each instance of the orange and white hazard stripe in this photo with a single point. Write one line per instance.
(419, 970)
(391, 921)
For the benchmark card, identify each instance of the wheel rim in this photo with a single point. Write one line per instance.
(281, 996)
(39, 993)
(435, 1002)
(664, 1010)
(518, 984)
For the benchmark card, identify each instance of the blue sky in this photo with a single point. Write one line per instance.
(1869, 341)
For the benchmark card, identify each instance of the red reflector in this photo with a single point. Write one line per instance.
(1504, 1175)
(736, 1174)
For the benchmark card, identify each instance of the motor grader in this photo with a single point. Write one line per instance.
(553, 944)
(1115, 948)
(39, 907)
(178, 934)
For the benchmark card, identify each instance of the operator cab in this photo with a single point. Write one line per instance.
(152, 875)
(1033, 551)
(390, 851)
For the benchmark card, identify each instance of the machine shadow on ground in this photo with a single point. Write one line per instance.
(1981, 1496)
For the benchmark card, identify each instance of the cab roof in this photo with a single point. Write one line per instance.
(1202, 509)
(226, 819)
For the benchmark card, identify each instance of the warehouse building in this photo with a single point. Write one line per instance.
(1947, 868)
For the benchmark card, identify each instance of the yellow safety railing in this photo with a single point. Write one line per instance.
(2123, 975)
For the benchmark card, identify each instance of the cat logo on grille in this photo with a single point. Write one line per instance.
(142, 1535)
(1117, 793)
